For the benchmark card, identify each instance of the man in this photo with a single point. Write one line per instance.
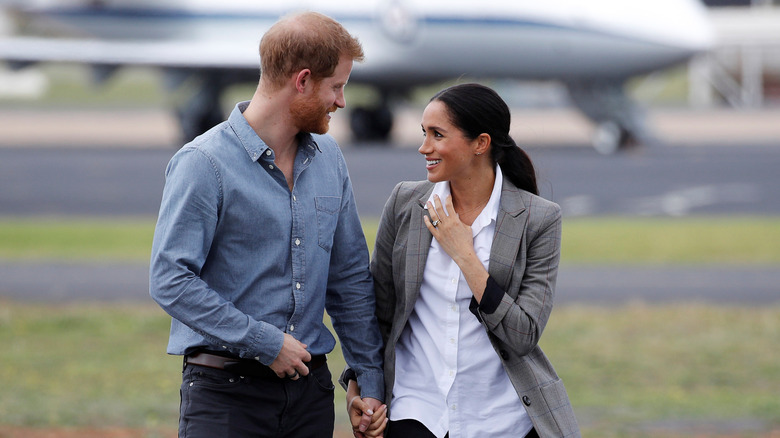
(258, 234)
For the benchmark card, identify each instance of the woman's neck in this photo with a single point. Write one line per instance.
(472, 194)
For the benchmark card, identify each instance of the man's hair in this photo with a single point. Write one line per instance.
(305, 40)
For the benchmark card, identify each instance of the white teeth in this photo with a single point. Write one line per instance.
(432, 162)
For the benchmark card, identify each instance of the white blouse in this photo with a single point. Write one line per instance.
(448, 376)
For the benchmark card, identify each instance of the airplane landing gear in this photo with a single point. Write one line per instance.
(371, 124)
(609, 137)
(619, 122)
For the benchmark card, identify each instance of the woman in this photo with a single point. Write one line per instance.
(464, 268)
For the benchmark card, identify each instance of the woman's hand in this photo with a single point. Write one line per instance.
(457, 241)
(454, 236)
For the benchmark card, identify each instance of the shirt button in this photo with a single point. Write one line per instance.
(271, 166)
(454, 407)
(292, 327)
(268, 152)
(297, 285)
(294, 198)
(452, 340)
(297, 242)
(454, 280)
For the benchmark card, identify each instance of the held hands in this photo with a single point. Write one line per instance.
(453, 235)
(367, 415)
(290, 360)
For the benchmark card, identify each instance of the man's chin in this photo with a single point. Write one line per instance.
(321, 129)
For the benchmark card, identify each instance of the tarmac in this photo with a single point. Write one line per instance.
(157, 127)
(603, 285)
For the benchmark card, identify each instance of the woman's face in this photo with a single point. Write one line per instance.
(448, 153)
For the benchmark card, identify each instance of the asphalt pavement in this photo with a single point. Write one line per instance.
(597, 285)
(708, 164)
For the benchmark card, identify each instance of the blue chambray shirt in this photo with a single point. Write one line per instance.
(238, 259)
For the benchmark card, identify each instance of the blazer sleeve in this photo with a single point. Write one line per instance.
(382, 265)
(520, 321)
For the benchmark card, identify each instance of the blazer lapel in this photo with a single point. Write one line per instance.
(510, 228)
(418, 244)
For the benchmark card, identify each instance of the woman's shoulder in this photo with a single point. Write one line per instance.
(515, 198)
(406, 191)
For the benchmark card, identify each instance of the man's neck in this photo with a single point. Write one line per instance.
(269, 115)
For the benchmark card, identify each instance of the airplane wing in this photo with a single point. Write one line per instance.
(236, 55)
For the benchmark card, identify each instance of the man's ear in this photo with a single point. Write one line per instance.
(302, 80)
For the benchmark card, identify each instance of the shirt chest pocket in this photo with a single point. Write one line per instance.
(327, 217)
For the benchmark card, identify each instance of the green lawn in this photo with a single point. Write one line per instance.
(729, 240)
(631, 371)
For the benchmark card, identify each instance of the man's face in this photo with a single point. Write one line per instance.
(311, 110)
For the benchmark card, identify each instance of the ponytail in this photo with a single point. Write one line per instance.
(515, 164)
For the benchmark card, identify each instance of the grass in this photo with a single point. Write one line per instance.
(630, 371)
(729, 240)
(636, 370)
(86, 365)
(697, 240)
(76, 239)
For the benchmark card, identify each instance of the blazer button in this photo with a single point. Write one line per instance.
(526, 400)
(504, 355)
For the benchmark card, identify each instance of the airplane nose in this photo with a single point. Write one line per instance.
(691, 29)
(666, 31)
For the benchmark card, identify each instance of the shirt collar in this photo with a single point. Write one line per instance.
(488, 214)
(254, 145)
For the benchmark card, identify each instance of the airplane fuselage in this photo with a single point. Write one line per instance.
(407, 43)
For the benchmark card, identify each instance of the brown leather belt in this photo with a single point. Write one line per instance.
(243, 367)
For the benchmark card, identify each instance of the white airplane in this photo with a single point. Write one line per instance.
(591, 46)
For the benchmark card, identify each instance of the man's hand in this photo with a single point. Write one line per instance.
(367, 415)
(290, 360)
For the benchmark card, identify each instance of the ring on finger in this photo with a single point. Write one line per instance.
(293, 376)
(435, 223)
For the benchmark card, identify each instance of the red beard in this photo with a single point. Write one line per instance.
(309, 115)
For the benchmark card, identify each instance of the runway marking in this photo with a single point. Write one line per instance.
(580, 205)
(684, 201)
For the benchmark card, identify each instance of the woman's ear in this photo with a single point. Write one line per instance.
(483, 144)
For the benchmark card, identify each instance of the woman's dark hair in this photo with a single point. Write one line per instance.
(477, 109)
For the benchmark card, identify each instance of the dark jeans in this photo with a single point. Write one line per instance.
(415, 429)
(218, 403)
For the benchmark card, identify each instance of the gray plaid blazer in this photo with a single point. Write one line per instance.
(523, 261)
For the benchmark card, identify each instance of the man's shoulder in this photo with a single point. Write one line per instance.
(212, 143)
